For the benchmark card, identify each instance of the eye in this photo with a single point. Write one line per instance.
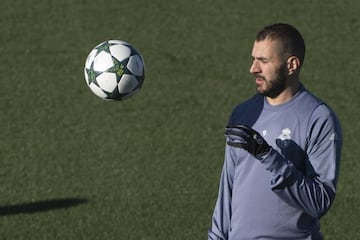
(260, 59)
(263, 60)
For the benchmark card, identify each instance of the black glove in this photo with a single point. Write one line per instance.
(244, 137)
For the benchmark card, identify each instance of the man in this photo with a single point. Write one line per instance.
(283, 150)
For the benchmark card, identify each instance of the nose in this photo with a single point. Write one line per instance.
(255, 68)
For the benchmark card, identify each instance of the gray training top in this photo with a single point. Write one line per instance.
(283, 195)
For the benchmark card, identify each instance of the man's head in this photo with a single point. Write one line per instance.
(288, 36)
(278, 54)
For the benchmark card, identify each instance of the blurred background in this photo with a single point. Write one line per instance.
(73, 166)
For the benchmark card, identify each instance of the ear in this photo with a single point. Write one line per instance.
(293, 64)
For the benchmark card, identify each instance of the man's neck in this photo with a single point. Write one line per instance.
(285, 95)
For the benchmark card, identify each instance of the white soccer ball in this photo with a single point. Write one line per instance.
(114, 70)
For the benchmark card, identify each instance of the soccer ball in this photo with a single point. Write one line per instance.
(114, 70)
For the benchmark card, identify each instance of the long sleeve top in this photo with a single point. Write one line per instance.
(283, 195)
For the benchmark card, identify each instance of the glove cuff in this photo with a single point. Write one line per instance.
(264, 152)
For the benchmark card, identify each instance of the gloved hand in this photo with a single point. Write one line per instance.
(244, 137)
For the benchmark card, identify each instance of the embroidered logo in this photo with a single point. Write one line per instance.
(285, 134)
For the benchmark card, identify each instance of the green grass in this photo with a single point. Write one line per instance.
(148, 167)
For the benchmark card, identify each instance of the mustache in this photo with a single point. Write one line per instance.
(259, 76)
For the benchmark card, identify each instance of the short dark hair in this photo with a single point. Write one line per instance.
(288, 36)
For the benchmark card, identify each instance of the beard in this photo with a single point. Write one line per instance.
(273, 87)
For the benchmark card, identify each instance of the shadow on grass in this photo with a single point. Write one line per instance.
(41, 206)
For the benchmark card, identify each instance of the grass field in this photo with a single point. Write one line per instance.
(75, 167)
